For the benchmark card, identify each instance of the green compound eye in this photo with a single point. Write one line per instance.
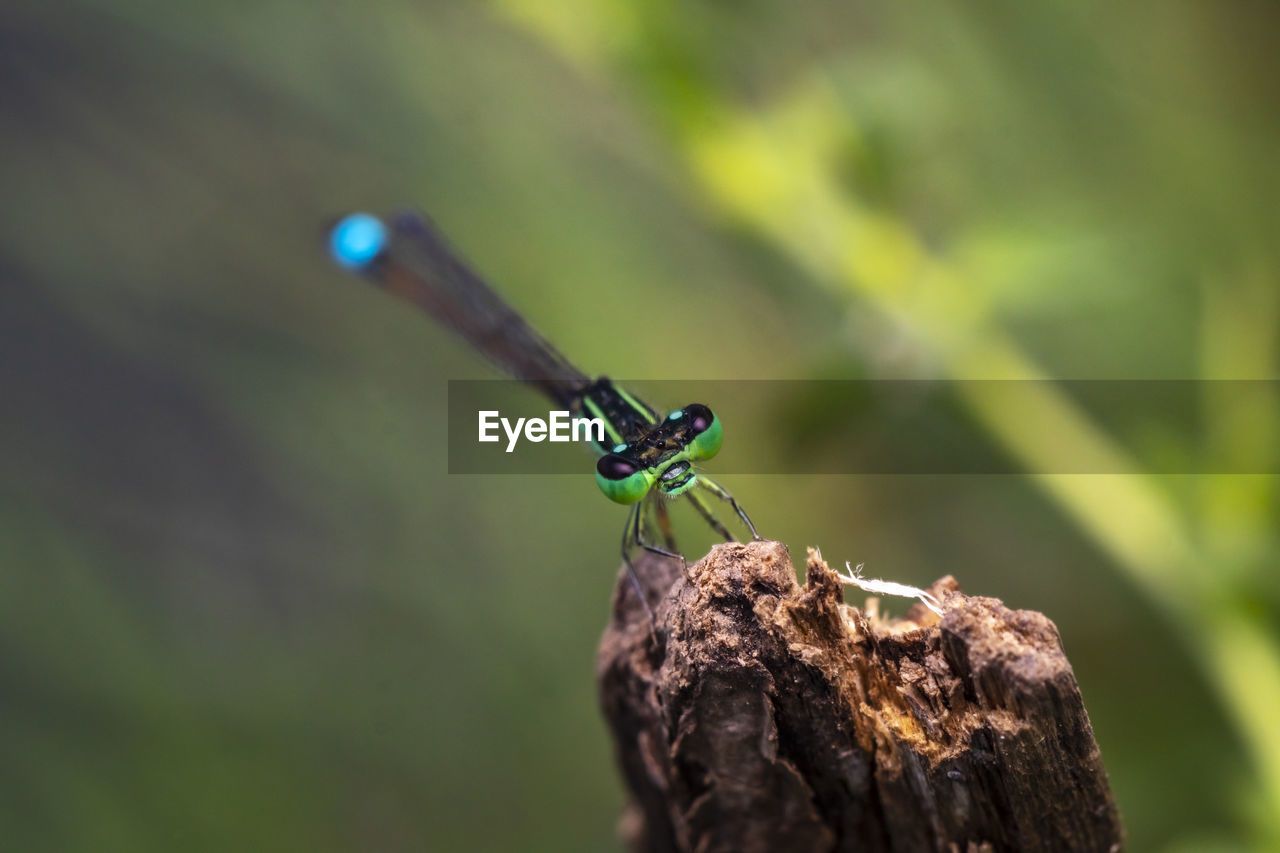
(621, 480)
(708, 434)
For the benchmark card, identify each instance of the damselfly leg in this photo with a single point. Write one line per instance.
(664, 525)
(723, 494)
(633, 536)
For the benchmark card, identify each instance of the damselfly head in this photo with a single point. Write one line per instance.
(662, 457)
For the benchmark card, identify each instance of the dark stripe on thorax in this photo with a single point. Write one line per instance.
(625, 416)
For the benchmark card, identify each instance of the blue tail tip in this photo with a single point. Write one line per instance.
(357, 240)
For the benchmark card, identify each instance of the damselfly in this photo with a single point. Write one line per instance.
(645, 459)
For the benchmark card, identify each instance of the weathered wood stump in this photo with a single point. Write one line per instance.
(773, 717)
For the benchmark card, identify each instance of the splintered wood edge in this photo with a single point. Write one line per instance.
(979, 703)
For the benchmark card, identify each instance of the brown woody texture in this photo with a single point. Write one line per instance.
(764, 715)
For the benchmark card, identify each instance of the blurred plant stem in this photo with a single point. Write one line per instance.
(777, 170)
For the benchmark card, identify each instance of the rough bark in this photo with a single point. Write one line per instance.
(771, 716)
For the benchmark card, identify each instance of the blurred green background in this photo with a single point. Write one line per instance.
(245, 608)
